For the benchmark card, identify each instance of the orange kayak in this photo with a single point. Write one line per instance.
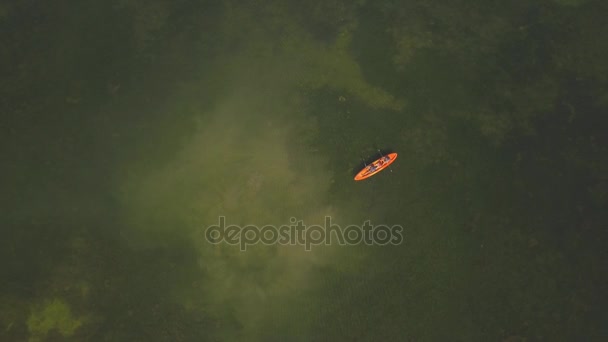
(377, 166)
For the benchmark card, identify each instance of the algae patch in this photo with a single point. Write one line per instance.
(53, 314)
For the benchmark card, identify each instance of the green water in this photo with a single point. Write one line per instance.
(127, 127)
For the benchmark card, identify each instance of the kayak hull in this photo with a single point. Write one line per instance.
(376, 166)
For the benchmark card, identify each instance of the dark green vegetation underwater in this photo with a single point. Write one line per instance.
(127, 126)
